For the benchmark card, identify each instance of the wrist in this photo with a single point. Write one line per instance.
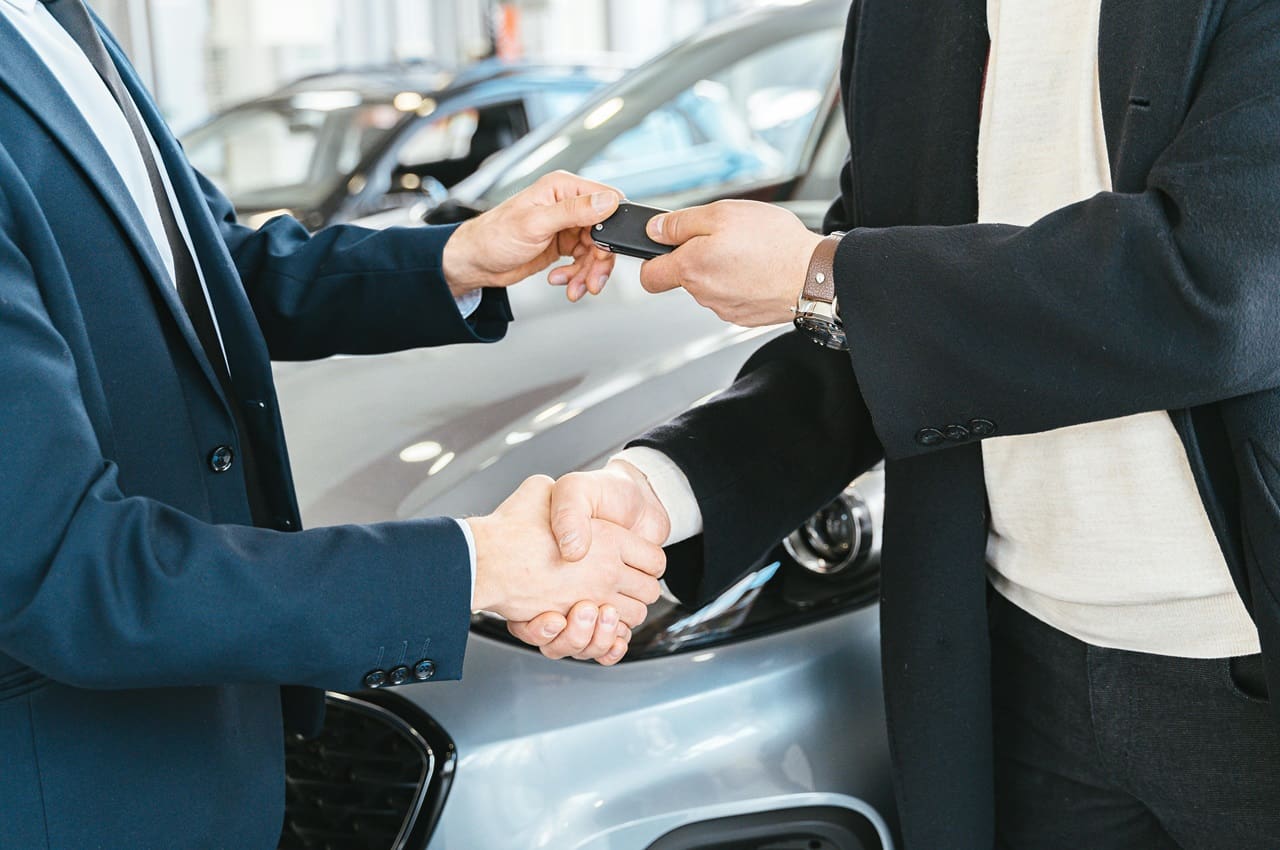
(457, 261)
(801, 262)
(484, 594)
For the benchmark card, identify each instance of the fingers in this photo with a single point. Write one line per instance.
(585, 636)
(579, 632)
(662, 274)
(589, 271)
(641, 587)
(631, 611)
(582, 211)
(605, 636)
(541, 630)
(677, 228)
(619, 649)
(636, 552)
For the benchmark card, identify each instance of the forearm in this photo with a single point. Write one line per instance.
(766, 454)
(1100, 310)
(1160, 295)
(351, 290)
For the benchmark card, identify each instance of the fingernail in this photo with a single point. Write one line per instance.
(656, 224)
(602, 201)
(587, 615)
(601, 281)
(609, 617)
(569, 541)
(614, 654)
(550, 630)
(558, 278)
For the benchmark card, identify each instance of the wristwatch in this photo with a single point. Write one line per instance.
(817, 310)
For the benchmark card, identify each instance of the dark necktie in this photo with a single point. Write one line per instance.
(75, 19)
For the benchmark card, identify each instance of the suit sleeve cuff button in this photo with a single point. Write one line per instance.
(928, 437)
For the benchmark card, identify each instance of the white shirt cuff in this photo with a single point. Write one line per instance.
(672, 488)
(471, 552)
(469, 302)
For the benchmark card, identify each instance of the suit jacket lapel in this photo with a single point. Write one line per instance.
(25, 74)
(912, 100)
(1150, 53)
(231, 307)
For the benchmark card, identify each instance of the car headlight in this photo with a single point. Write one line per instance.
(829, 565)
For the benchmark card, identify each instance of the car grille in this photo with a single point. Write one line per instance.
(372, 780)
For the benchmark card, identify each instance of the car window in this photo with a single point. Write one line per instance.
(822, 183)
(288, 153)
(448, 137)
(558, 102)
(453, 145)
(737, 118)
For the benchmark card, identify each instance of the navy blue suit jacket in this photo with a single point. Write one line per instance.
(146, 628)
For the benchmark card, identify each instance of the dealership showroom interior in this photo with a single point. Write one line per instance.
(639, 424)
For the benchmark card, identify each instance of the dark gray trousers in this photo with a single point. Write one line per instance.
(1100, 748)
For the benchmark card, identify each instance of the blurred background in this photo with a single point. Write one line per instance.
(249, 48)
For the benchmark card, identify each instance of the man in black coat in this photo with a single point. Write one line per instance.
(1108, 686)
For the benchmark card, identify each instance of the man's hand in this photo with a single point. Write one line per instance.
(744, 260)
(621, 496)
(528, 232)
(520, 573)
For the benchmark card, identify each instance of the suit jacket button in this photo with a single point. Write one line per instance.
(376, 679)
(956, 433)
(424, 670)
(221, 458)
(929, 437)
(982, 427)
(399, 675)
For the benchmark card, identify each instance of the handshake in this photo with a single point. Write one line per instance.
(573, 565)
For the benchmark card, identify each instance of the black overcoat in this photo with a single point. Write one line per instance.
(1163, 294)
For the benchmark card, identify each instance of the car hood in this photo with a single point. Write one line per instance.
(453, 431)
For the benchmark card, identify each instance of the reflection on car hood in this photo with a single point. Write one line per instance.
(453, 431)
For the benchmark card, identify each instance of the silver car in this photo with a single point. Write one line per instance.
(754, 723)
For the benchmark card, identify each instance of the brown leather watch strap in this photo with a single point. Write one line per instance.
(820, 281)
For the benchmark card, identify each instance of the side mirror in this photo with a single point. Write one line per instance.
(451, 211)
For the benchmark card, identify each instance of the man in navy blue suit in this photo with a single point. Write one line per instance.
(162, 616)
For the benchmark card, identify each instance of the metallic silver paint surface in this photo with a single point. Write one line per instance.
(568, 755)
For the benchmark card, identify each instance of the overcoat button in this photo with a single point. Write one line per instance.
(399, 675)
(956, 433)
(376, 679)
(424, 670)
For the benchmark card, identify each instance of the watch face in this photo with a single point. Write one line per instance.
(823, 331)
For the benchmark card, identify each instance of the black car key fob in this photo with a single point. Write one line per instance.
(624, 232)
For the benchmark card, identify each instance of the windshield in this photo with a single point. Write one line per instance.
(290, 153)
(714, 115)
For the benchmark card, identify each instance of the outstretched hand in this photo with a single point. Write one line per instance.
(619, 496)
(531, 230)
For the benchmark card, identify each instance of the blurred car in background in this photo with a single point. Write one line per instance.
(754, 722)
(334, 147)
(748, 109)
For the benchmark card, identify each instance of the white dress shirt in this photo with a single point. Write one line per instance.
(1097, 529)
(90, 95)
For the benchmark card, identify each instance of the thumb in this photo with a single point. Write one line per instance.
(571, 213)
(574, 501)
